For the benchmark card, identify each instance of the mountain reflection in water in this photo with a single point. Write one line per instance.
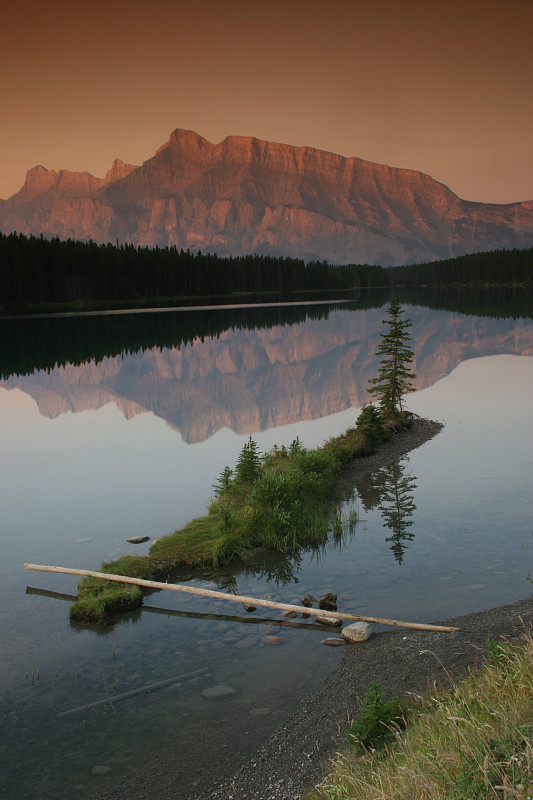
(249, 379)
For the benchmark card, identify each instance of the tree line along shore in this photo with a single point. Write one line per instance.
(39, 274)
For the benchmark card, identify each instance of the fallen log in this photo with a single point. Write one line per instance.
(176, 587)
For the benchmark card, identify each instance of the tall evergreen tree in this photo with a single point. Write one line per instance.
(248, 466)
(393, 379)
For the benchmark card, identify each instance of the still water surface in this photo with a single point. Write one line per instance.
(125, 444)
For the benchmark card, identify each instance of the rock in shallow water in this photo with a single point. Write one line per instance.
(250, 641)
(334, 623)
(216, 692)
(272, 640)
(358, 632)
(101, 769)
(138, 539)
(328, 602)
(260, 712)
(308, 600)
(333, 641)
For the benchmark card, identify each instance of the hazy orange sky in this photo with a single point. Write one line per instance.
(442, 87)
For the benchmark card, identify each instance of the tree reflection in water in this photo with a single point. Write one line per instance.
(391, 490)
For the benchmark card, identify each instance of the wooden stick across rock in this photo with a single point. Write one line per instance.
(177, 587)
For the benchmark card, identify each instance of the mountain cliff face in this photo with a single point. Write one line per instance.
(254, 380)
(245, 195)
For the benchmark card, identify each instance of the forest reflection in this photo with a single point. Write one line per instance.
(47, 342)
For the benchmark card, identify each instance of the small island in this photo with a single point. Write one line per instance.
(283, 500)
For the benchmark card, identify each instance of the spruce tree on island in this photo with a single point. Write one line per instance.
(394, 379)
(248, 466)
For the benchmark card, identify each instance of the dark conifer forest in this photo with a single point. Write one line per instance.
(38, 274)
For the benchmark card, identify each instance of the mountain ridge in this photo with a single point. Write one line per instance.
(247, 195)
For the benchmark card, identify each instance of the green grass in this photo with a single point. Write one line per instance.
(281, 500)
(200, 543)
(98, 600)
(472, 743)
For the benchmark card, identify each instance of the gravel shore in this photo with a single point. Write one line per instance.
(404, 661)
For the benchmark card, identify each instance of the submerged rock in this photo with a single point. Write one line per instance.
(216, 692)
(272, 640)
(358, 632)
(333, 641)
(260, 712)
(290, 614)
(249, 641)
(101, 769)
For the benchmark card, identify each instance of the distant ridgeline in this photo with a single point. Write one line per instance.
(37, 274)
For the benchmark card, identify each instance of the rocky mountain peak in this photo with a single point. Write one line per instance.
(118, 170)
(38, 180)
(248, 195)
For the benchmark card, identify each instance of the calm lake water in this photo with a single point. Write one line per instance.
(113, 429)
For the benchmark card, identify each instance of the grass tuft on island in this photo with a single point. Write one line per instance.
(280, 500)
(473, 742)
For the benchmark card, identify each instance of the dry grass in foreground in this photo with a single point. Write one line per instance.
(472, 743)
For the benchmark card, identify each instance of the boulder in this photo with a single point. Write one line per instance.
(138, 539)
(358, 632)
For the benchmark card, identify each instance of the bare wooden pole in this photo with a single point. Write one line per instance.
(150, 687)
(177, 587)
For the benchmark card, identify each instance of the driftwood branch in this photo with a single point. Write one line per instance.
(176, 587)
(150, 687)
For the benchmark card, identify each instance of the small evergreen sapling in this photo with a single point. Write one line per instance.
(380, 719)
(370, 422)
(224, 482)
